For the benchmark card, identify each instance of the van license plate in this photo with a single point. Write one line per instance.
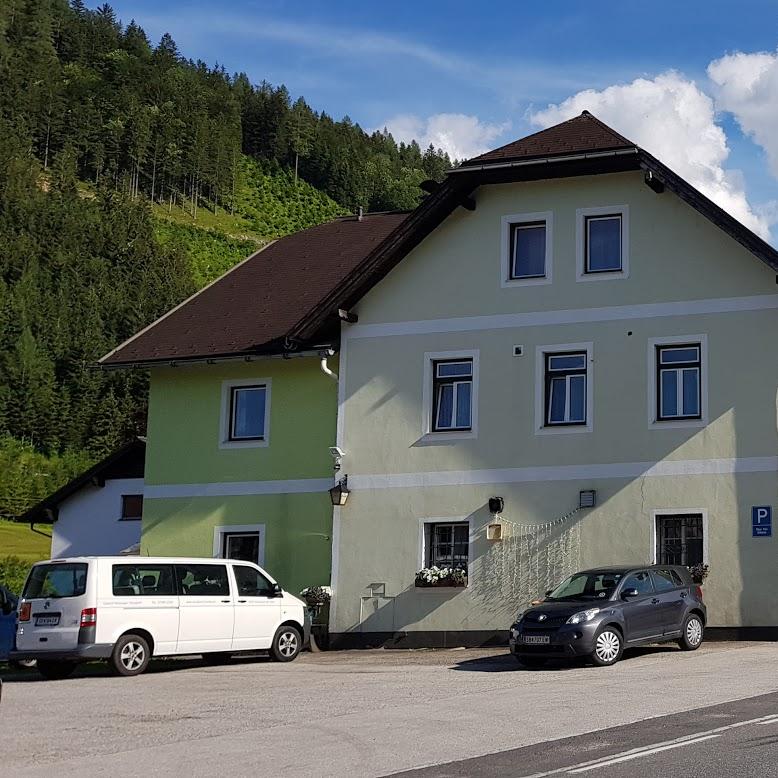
(534, 640)
(46, 621)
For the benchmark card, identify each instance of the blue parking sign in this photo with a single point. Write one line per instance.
(762, 521)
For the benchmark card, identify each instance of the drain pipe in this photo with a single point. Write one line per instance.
(325, 355)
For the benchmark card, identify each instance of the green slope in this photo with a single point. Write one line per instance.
(20, 541)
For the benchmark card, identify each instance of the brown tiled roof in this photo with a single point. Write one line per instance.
(251, 308)
(584, 133)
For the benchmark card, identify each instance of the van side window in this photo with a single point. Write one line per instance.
(143, 581)
(251, 583)
(202, 580)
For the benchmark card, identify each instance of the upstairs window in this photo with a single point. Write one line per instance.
(452, 391)
(528, 250)
(603, 244)
(679, 382)
(247, 412)
(132, 507)
(566, 389)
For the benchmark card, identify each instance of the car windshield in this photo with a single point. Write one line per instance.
(590, 585)
(64, 579)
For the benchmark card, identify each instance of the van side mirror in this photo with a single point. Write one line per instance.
(629, 593)
(277, 591)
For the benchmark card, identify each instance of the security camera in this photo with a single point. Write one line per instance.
(337, 453)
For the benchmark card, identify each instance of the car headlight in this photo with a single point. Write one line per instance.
(582, 616)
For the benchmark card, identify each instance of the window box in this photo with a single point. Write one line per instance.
(436, 577)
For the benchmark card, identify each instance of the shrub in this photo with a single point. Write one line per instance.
(13, 573)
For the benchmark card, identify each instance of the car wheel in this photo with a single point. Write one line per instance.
(130, 655)
(53, 670)
(531, 661)
(693, 631)
(287, 644)
(608, 647)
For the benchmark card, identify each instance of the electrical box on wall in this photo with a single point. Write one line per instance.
(518, 351)
(495, 531)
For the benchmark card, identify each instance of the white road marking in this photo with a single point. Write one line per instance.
(648, 752)
(634, 753)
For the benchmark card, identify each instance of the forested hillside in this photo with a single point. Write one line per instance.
(129, 176)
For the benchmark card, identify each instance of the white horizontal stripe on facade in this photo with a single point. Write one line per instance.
(572, 316)
(566, 473)
(237, 488)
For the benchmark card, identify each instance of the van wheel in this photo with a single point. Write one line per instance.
(287, 644)
(130, 655)
(53, 670)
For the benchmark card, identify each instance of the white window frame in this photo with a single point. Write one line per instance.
(428, 433)
(422, 557)
(226, 407)
(506, 262)
(652, 388)
(540, 389)
(581, 215)
(237, 529)
(659, 512)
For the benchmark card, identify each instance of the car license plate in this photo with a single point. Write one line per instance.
(46, 621)
(534, 640)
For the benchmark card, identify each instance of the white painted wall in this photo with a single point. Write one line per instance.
(89, 520)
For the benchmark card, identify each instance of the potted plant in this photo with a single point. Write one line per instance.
(441, 576)
(317, 598)
(699, 572)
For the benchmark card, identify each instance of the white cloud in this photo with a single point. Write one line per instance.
(674, 120)
(747, 87)
(459, 135)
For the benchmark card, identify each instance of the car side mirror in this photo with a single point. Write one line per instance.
(629, 593)
(548, 591)
(277, 591)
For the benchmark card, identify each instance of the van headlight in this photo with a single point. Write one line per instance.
(583, 616)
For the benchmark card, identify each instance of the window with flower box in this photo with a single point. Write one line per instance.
(446, 554)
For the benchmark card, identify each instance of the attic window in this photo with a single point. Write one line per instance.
(602, 243)
(132, 507)
(526, 249)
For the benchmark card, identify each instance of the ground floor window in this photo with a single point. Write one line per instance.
(244, 542)
(447, 544)
(679, 539)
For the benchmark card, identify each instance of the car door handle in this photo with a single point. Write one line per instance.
(655, 601)
(241, 600)
(226, 601)
(683, 594)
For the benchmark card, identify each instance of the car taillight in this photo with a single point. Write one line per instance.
(89, 617)
(24, 611)
(698, 592)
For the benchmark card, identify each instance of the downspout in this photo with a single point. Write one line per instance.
(325, 369)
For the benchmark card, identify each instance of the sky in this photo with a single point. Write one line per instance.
(695, 83)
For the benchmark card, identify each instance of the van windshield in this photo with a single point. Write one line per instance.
(59, 579)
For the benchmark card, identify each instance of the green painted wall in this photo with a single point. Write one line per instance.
(184, 455)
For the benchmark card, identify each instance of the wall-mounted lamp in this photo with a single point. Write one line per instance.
(496, 504)
(340, 492)
(587, 498)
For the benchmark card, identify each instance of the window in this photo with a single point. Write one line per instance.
(452, 387)
(665, 580)
(603, 244)
(640, 581)
(679, 539)
(678, 382)
(565, 388)
(55, 580)
(447, 544)
(203, 580)
(241, 545)
(526, 249)
(247, 412)
(132, 507)
(251, 583)
(143, 580)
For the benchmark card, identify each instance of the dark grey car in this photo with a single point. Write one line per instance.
(598, 613)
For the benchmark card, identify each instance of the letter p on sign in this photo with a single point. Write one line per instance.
(761, 521)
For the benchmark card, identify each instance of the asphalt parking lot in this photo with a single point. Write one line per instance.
(369, 713)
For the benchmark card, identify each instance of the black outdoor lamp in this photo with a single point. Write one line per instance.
(496, 504)
(340, 492)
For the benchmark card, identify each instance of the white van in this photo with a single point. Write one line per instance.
(128, 609)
